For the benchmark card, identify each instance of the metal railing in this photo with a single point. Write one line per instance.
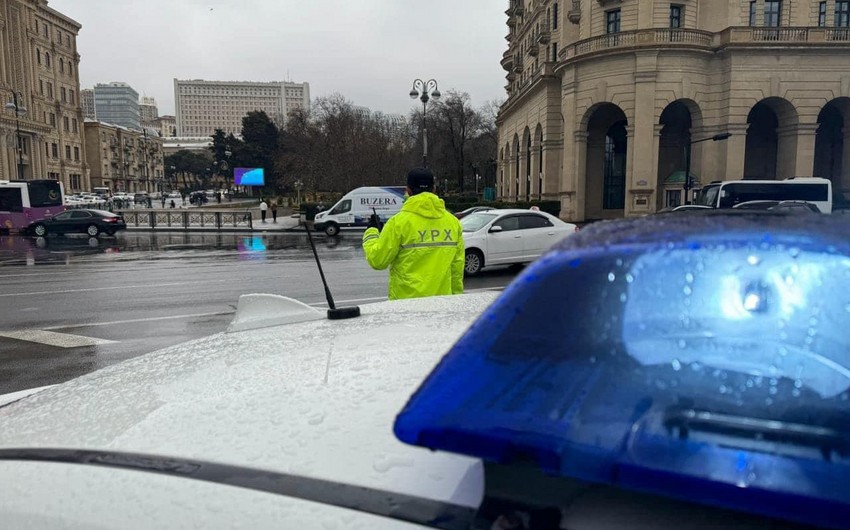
(188, 219)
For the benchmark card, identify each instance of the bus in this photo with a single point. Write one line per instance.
(729, 193)
(23, 202)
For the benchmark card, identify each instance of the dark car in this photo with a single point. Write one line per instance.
(140, 198)
(464, 213)
(91, 222)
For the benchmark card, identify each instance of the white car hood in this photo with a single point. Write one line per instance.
(316, 399)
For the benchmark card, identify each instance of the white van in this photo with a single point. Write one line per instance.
(728, 194)
(355, 208)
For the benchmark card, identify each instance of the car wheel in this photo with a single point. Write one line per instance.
(474, 262)
(332, 229)
(39, 230)
(92, 230)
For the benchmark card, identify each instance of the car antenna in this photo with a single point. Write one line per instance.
(334, 313)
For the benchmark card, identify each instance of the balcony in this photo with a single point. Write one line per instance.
(518, 67)
(543, 37)
(533, 51)
(515, 8)
(650, 38)
(508, 61)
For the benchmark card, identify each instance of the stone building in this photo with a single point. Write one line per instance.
(39, 72)
(606, 96)
(122, 159)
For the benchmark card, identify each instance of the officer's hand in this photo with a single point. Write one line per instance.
(375, 222)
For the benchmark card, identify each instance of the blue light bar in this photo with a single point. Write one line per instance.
(703, 357)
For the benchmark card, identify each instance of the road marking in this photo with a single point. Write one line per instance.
(122, 287)
(59, 340)
(135, 320)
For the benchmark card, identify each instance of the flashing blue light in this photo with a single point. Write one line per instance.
(699, 357)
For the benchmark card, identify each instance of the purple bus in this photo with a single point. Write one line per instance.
(23, 202)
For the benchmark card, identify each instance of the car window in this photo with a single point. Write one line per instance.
(476, 221)
(533, 221)
(63, 216)
(342, 207)
(79, 214)
(508, 223)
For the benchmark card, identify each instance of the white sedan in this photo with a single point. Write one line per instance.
(507, 237)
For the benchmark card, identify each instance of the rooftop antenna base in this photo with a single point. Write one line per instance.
(341, 313)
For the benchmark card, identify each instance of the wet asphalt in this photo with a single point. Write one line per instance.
(139, 292)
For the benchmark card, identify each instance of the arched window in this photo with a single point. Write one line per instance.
(38, 55)
(47, 59)
(61, 65)
(555, 15)
(614, 191)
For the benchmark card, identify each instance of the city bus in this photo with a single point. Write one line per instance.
(727, 194)
(24, 201)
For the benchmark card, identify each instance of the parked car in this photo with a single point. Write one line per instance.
(141, 197)
(696, 380)
(91, 222)
(506, 237)
(464, 213)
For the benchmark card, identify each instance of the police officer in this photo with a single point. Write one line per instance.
(422, 244)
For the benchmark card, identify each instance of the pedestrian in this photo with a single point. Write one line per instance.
(422, 244)
(162, 200)
(263, 208)
(149, 203)
(172, 204)
(274, 210)
(218, 197)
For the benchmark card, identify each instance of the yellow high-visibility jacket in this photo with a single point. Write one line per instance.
(423, 247)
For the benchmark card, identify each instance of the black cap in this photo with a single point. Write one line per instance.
(420, 179)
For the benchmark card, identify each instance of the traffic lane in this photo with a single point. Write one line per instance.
(149, 288)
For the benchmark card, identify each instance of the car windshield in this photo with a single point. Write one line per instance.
(476, 221)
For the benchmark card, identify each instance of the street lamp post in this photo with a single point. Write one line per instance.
(17, 107)
(424, 91)
(715, 138)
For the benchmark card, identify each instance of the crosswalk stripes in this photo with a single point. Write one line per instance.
(51, 338)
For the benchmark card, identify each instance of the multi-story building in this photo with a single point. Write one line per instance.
(87, 101)
(38, 71)
(148, 112)
(204, 106)
(167, 126)
(118, 104)
(609, 99)
(123, 159)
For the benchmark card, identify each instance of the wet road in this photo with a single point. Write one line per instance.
(71, 305)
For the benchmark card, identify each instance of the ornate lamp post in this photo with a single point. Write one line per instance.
(424, 91)
(16, 106)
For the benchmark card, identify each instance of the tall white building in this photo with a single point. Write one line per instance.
(204, 106)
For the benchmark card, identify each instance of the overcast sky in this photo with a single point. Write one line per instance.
(368, 50)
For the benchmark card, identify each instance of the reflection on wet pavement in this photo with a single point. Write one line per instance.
(64, 250)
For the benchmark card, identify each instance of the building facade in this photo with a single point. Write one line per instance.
(148, 112)
(118, 104)
(39, 71)
(608, 99)
(167, 126)
(204, 106)
(123, 159)
(87, 101)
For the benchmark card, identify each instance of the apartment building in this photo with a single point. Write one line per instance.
(123, 159)
(609, 101)
(204, 106)
(41, 133)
